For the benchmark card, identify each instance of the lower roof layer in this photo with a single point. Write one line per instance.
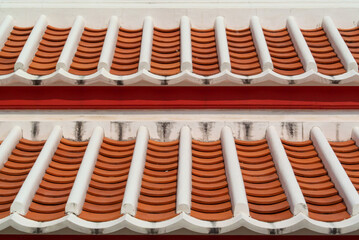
(144, 184)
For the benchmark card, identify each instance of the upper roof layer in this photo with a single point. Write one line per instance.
(145, 185)
(76, 54)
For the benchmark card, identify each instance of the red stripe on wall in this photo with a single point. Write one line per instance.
(167, 97)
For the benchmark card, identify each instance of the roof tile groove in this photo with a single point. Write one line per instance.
(327, 60)
(244, 58)
(14, 172)
(107, 187)
(157, 201)
(323, 200)
(12, 49)
(49, 51)
(351, 38)
(88, 52)
(51, 197)
(165, 58)
(266, 198)
(285, 58)
(127, 52)
(204, 52)
(210, 197)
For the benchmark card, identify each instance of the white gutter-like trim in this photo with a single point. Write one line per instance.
(260, 44)
(186, 45)
(286, 174)
(32, 182)
(133, 187)
(109, 45)
(222, 44)
(338, 44)
(71, 44)
(336, 171)
(31, 45)
(146, 45)
(301, 45)
(184, 182)
(234, 174)
(5, 29)
(78, 193)
(9, 143)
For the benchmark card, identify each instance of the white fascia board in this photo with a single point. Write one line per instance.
(9, 144)
(260, 44)
(222, 44)
(78, 192)
(186, 45)
(301, 45)
(71, 44)
(234, 174)
(146, 45)
(133, 187)
(336, 171)
(338, 44)
(109, 45)
(32, 182)
(31, 45)
(184, 182)
(286, 174)
(5, 29)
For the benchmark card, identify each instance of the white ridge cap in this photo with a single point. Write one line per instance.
(31, 45)
(10, 142)
(336, 171)
(69, 50)
(78, 192)
(338, 44)
(146, 45)
(5, 29)
(184, 182)
(109, 45)
(222, 44)
(286, 174)
(301, 45)
(186, 44)
(234, 174)
(133, 186)
(32, 182)
(260, 44)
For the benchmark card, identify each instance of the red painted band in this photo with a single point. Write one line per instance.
(168, 97)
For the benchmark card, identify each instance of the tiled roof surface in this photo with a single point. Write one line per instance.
(44, 52)
(145, 184)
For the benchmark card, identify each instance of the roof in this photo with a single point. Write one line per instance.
(149, 186)
(77, 54)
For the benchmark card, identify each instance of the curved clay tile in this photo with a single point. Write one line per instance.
(351, 38)
(324, 202)
(284, 57)
(127, 52)
(157, 201)
(210, 197)
(108, 182)
(266, 198)
(49, 51)
(88, 52)
(204, 52)
(51, 197)
(14, 172)
(12, 48)
(165, 58)
(327, 60)
(348, 155)
(244, 58)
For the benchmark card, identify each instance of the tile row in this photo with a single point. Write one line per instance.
(102, 180)
(43, 50)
